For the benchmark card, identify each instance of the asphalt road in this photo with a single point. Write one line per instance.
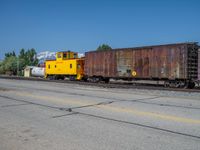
(56, 116)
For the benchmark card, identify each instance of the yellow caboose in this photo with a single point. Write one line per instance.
(66, 65)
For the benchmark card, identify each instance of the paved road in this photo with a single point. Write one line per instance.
(48, 116)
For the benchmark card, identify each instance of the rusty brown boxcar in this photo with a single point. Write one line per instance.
(176, 64)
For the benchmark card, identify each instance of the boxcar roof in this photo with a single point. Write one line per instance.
(148, 47)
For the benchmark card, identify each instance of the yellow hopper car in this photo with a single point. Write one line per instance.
(66, 65)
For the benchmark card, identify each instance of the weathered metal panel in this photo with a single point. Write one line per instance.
(124, 63)
(100, 63)
(163, 61)
(183, 61)
(152, 62)
(167, 62)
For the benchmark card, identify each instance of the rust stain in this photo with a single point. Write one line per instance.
(163, 61)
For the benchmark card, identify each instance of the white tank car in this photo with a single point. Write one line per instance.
(37, 72)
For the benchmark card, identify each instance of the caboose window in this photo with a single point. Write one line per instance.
(49, 66)
(59, 55)
(70, 66)
(64, 55)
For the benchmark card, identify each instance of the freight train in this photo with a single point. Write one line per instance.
(178, 65)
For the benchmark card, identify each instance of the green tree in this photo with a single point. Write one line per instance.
(10, 54)
(104, 47)
(30, 57)
(16, 64)
(10, 64)
(22, 53)
(2, 69)
(13, 53)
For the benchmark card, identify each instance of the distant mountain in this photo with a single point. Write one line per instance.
(47, 55)
(81, 55)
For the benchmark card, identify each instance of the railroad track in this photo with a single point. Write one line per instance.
(126, 85)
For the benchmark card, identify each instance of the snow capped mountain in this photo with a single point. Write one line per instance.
(46, 55)
(81, 55)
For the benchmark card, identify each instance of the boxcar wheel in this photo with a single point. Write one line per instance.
(107, 80)
(166, 84)
(190, 85)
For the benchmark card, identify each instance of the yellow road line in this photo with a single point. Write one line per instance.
(150, 114)
(115, 109)
(55, 99)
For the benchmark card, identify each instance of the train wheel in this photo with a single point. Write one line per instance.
(72, 78)
(166, 84)
(182, 84)
(107, 80)
(189, 85)
(177, 84)
(85, 79)
(95, 79)
(51, 77)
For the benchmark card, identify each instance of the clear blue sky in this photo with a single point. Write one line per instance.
(81, 25)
